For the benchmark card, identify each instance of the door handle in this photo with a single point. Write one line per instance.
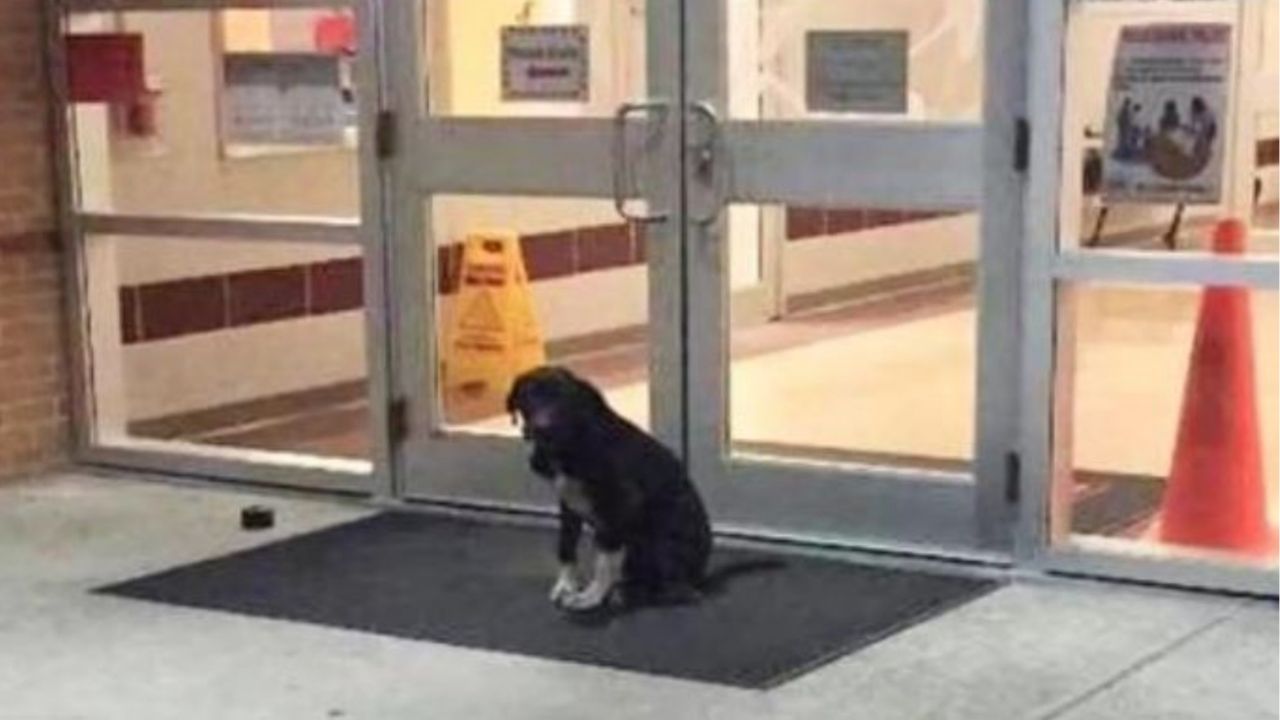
(621, 166)
(704, 156)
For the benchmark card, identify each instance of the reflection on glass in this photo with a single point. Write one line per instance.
(865, 350)
(525, 280)
(1151, 368)
(198, 342)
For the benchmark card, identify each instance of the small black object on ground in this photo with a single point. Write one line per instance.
(257, 517)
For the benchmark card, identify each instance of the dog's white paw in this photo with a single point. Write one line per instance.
(608, 573)
(565, 586)
(589, 598)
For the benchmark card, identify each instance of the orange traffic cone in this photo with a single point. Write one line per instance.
(1215, 496)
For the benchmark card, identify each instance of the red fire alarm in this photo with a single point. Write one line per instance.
(140, 115)
(335, 33)
(105, 68)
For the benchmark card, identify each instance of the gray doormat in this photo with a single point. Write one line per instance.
(485, 586)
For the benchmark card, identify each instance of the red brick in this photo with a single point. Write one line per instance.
(33, 397)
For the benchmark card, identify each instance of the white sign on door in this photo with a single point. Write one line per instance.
(546, 62)
(856, 71)
(1165, 135)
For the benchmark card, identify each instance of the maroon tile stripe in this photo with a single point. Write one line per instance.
(261, 296)
(130, 324)
(335, 286)
(809, 222)
(156, 311)
(1267, 152)
(558, 253)
(182, 307)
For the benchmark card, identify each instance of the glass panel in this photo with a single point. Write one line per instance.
(853, 328)
(1172, 451)
(228, 343)
(467, 74)
(521, 280)
(1130, 159)
(215, 112)
(869, 60)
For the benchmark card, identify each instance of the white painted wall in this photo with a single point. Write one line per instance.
(211, 369)
(815, 264)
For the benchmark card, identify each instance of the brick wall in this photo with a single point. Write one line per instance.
(33, 402)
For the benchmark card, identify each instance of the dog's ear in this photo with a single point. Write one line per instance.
(590, 395)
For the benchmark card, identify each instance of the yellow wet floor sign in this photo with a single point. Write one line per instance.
(493, 333)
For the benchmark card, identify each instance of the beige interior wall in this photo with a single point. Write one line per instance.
(246, 30)
(212, 369)
(816, 264)
(185, 169)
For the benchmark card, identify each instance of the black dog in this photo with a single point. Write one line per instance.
(650, 528)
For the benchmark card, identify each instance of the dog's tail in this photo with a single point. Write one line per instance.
(717, 580)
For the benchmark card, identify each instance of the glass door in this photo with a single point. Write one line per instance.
(537, 205)
(221, 205)
(854, 215)
(1151, 353)
(788, 248)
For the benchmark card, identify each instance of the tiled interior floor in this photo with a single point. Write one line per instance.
(1039, 649)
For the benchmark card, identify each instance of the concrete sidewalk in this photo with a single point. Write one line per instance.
(1033, 650)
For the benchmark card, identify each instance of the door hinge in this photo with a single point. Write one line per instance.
(1012, 478)
(385, 135)
(398, 420)
(1021, 144)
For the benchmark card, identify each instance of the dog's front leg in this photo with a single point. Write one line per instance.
(608, 575)
(566, 584)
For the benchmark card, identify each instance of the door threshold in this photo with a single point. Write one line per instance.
(887, 554)
(878, 553)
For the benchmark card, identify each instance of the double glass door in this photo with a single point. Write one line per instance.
(780, 235)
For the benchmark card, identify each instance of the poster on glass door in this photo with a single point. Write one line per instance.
(1166, 114)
